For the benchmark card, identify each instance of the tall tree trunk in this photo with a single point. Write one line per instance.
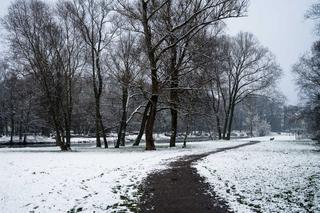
(174, 126)
(218, 127)
(57, 126)
(187, 132)
(68, 136)
(154, 77)
(97, 97)
(123, 122)
(225, 124)
(24, 138)
(103, 132)
(6, 127)
(69, 108)
(12, 129)
(230, 121)
(26, 128)
(117, 145)
(97, 122)
(174, 98)
(20, 130)
(59, 135)
(150, 145)
(143, 124)
(123, 135)
(60, 141)
(100, 83)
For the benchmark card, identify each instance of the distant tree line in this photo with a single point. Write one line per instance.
(99, 66)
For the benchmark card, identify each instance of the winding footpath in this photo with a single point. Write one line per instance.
(180, 189)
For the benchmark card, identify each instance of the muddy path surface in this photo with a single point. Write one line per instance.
(180, 189)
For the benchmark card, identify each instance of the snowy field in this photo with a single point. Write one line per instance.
(46, 180)
(278, 176)
(112, 137)
(282, 175)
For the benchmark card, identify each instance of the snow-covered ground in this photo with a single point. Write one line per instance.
(30, 138)
(47, 180)
(77, 139)
(277, 176)
(282, 175)
(274, 137)
(42, 139)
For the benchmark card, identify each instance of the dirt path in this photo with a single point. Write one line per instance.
(180, 189)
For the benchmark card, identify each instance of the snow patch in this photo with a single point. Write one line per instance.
(87, 179)
(267, 177)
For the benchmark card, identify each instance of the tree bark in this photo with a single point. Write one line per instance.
(68, 136)
(174, 126)
(143, 124)
(187, 132)
(24, 139)
(20, 130)
(123, 122)
(218, 127)
(154, 77)
(12, 129)
(6, 127)
(103, 132)
(98, 123)
(174, 72)
(150, 145)
(230, 121)
(225, 125)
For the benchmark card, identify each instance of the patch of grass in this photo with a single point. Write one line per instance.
(128, 200)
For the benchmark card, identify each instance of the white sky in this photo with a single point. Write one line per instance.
(279, 25)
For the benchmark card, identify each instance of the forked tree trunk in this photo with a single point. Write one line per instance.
(60, 140)
(150, 145)
(153, 74)
(143, 124)
(123, 122)
(230, 121)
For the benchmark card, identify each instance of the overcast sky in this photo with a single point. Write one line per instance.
(279, 25)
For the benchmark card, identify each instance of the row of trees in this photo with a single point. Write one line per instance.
(307, 72)
(96, 66)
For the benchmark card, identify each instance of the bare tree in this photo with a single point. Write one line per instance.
(46, 51)
(234, 68)
(92, 19)
(149, 18)
(124, 66)
(314, 14)
(211, 63)
(250, 68)
(71, 61)
(33, 35)
(308, 73)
